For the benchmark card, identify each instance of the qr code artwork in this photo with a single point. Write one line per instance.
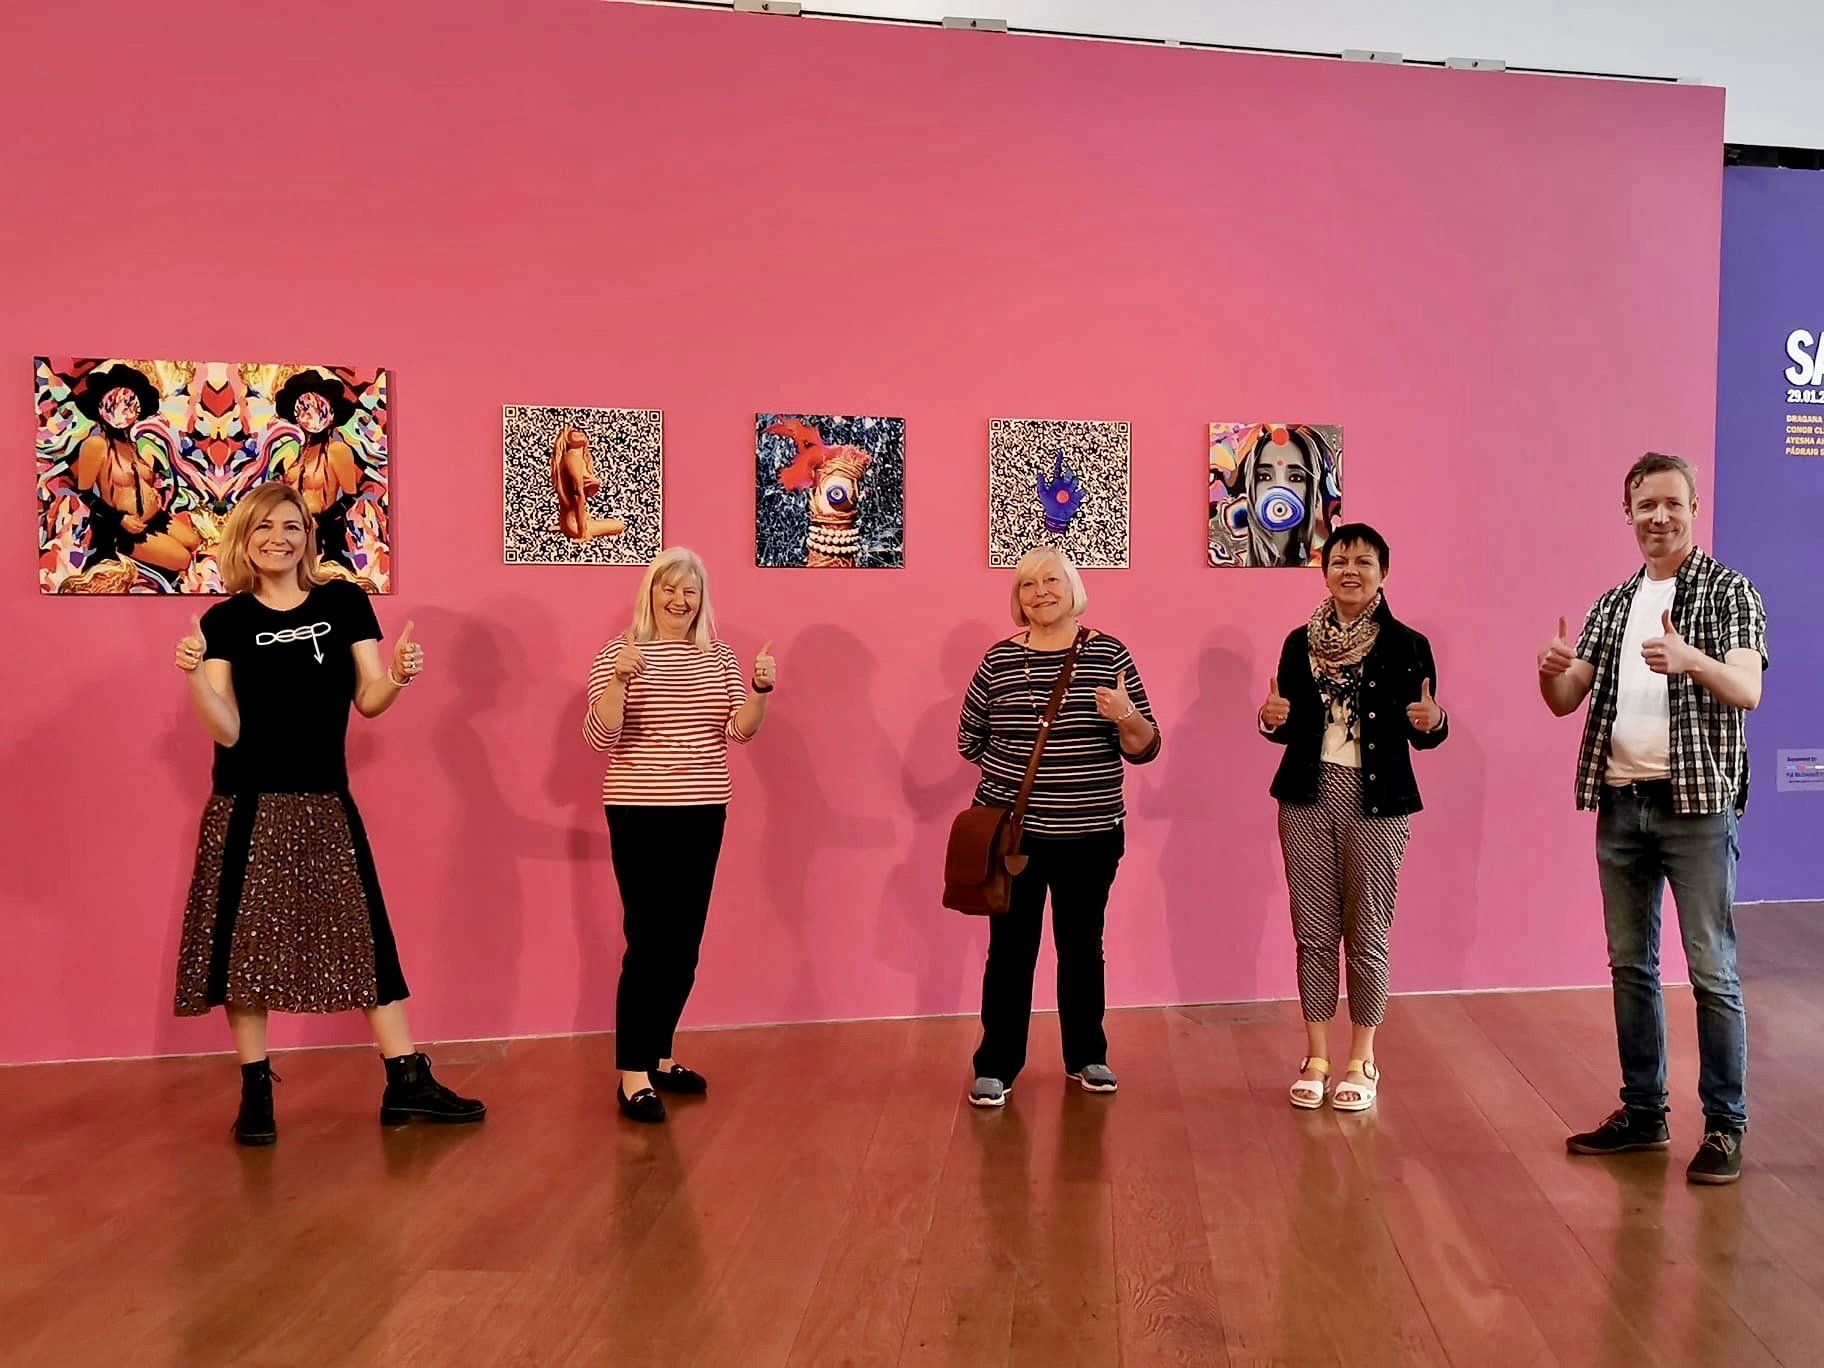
(582, 486)
(1060, 483)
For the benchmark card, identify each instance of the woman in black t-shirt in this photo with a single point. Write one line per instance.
(285, 912)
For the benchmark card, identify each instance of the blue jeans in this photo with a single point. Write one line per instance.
(1642, 845)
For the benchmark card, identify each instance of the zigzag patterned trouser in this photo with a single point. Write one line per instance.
(1344, 873)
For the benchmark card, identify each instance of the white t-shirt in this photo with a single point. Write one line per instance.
(1640, 746)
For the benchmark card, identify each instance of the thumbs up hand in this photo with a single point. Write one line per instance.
(408, 657)
(766, 670)
(1114, 704)
(190, 650)
(1275, 711)
(1558, 656)
(1669, 653)
(1425, 715)
(629, 661)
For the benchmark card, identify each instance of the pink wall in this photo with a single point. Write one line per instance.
(1503, 287)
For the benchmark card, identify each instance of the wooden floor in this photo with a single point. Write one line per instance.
(835, 1202)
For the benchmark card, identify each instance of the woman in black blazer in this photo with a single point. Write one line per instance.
(1353, 698)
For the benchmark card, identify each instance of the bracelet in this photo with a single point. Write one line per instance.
(761, 689)
(397, 683)
(1131, 710)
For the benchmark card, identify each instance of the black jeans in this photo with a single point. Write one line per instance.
(1078, 871)
(665, 865)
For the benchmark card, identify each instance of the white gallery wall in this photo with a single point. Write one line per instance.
(1766, 53)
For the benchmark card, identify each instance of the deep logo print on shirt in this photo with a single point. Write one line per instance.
(309, 633)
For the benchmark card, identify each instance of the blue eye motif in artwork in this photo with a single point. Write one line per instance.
(1278, 509)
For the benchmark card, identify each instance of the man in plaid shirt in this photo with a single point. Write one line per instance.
(1671, 660)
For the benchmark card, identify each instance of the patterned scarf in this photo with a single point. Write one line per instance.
(1337, 653)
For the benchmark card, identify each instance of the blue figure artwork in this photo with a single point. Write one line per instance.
(1060, 496)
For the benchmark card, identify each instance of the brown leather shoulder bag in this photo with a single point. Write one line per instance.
(984, 850)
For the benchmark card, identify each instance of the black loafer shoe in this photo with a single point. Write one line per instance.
(643, 1106)
(678, 1079)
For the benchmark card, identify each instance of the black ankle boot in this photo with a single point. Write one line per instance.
(254, 1124)
(413, 1095)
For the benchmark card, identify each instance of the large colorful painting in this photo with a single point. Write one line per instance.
(140, 462)
(1058, 482)
(1276, 490)
(583, 486)
(829, 492)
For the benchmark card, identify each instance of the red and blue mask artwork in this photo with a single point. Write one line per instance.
(1060, 496)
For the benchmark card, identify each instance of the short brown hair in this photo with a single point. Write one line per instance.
(1651, 464)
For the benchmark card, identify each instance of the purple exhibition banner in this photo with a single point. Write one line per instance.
(1769, 513)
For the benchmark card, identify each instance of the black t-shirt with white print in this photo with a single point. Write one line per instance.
(294, 681)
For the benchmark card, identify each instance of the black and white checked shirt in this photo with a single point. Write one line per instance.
(1716, 610)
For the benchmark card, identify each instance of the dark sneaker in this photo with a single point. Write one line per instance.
(1718, 1160)
(1097, 1078)
(989, 1092)
(1624, 1130)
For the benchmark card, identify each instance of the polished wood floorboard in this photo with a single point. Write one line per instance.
(834, 1201)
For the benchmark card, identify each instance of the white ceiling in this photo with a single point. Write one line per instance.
(1768, 54)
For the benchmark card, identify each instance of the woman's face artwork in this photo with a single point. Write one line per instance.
(120, 408)
(1283, 495)
(314, 413)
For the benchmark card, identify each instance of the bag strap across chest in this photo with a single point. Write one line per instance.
(1052, 708)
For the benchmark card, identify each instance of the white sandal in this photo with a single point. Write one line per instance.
(1308, 1093)
(1355, 1097)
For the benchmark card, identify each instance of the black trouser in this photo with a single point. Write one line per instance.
(1078, 871)
(665, 864)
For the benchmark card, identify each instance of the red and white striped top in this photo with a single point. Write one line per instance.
(671, 749)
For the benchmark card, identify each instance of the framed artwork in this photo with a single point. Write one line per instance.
(139, 464)
(1276, 490)
(1059, 482)
(829, 491)
(582, 486)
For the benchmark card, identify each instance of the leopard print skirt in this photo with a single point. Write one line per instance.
(285, 910)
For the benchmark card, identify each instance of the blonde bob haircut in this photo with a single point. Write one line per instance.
(232, 556)
(1028, 569)
(670, 565)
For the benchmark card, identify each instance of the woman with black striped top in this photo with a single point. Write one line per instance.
(665, 699)
(1073, 831)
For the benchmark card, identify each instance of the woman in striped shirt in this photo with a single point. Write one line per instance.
(1073, 833)
(665, 699)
